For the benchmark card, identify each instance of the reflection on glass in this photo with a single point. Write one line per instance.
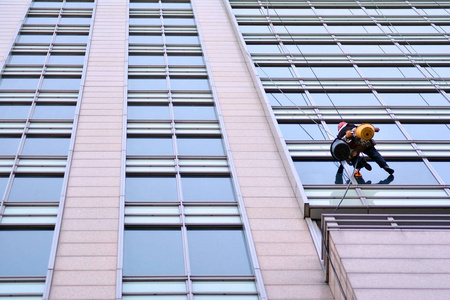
(153, 252)
(218, 252)
(207, 188)
(428, 131)
(24, 252)
(155, 188)
(443, 170)
(149, 146)
(36, 189)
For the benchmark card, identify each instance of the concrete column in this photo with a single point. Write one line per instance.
(287, 257)
(11, 14)
(86, 259)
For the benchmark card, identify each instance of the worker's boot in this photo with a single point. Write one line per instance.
(367, 166)
(357, 174)
(388, 169)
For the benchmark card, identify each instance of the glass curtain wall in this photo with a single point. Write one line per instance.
(183, 234)
(39, 93)
(379, 62)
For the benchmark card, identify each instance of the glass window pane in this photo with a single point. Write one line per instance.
(206, 188)
(46, 146)
(303, 132)
(35, 38)
(194, 112)
(72, 20)
(428, 131)
(3, 183)
(153, 252)
(66, 59)
(145, 21)
(146, 39)
(55, 4)
(178, 21)
(149, 60)
(183, 39)
(314, 49)
(189, 84)
(177, 5)
(288, 99)
(60, 112)
(142, 84)
(9, 145)
(279, 72)
(138, 112)
(18, 83)
(61, 84)
(406, 173)
(154, 4)
(20, 59)
(320, 172)
(218, 252)
(443, 169)
(151, 189)
(78, 4)
(71, 39)
(186, 60)
(200, 146)
(25, 252)
(149, 146)
(346, 99)
(41, 20)
(264, 49)
(36, 189)
(14, 111)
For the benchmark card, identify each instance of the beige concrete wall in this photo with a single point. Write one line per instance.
(394, 264)
(288, 261)
(86, 260)
(11, 15)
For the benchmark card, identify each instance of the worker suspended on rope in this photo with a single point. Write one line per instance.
(359, 139)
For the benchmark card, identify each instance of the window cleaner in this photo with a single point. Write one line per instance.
(351, 141)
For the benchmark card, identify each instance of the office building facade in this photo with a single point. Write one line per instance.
(155, 149)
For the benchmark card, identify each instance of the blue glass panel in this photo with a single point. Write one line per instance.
(194, 112)
(14, 111)
(346, 99)
(153, 252)
(303, 132)
(46, 146)
(36, 189)
(443, 169)
(428, 131)
(211, 189)
(149, 112)
(151, 189)
(138, 84)
(288, 99)
(218, 252)
(149, 146)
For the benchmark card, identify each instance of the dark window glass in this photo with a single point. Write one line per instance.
(60, 112)
(9, 145)
(428, 131)
(151, 189)
(24, 252)
(218, 252)
(149, 112)
(36, 189)
(149, 146)
(46, 146)
(194, 113)
(14, 111)
(156, 252)
(200, 146)
(205, 188)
